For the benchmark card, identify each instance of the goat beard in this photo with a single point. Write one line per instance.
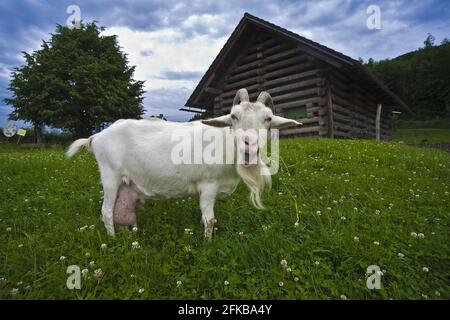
(255, 181)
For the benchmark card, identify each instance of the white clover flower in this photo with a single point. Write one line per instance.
(281, 283)
(296, 279)
(20, 245)
(413, 234)
(241, 233)
(226, 282)
(141, 290)
(376, 243)
(84, 272)
(8, 229)
(19, 283)
(329, 208)
(356, 239)
(421, 235)
(135, 245)
(343, 218)
(401, 255)
(296, 224)
(317, 263)
(424, 296)
(132, 275)
(377, 212)
(92, 263)
(14, 291)
(343, 297)
(135, 229)
(284, 263)
(87, 254)
(92, 227)
(103, 246)
(318, 211)
(98, 273)
(288, 269)
(179, 283)
(437, 293)
(425, 269)
(62, 258)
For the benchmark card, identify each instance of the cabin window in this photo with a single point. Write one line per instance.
(295, 113)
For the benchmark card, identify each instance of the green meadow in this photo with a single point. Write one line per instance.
(336, 207)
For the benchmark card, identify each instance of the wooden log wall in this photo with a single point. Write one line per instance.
(293, 79)
(297, 80)
(355, 109)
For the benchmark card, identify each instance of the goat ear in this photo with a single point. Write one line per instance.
(223, 121)
(280, 122)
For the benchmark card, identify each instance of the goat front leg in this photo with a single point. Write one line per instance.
(207, 200)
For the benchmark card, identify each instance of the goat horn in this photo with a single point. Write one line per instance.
(266, 99)
(241, 96)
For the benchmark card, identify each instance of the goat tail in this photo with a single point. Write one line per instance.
(77, 145)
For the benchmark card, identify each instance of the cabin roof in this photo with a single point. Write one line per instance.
(203, 95)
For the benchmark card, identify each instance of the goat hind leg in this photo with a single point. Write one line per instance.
(111, 183)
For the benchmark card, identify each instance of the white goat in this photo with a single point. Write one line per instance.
(139, 152)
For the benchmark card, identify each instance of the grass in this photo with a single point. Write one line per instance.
(419, 135)
(336, 207)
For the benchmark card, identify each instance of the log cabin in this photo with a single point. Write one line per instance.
(332, 94)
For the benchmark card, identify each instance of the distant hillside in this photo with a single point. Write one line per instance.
(421, 78)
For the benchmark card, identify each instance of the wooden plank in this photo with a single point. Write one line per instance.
(290, 70)
(330, 112)
(293, 77)
(299, 103)
(377, 122)
(299, 130)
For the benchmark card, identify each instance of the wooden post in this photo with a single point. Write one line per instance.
(330, 111)
(377, 122)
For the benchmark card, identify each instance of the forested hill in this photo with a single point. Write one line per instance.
(421, 78)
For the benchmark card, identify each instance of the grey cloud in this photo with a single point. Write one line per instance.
(181, 75)
(147, 53)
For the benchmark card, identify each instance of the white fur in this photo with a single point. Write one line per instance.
(140, 151)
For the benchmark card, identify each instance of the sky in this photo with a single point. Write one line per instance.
(172, 43)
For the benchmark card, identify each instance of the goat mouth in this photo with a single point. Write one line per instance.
(247, 163)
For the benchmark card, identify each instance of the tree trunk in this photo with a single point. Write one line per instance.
(37, 134)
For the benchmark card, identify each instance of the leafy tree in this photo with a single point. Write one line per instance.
(421, 78)
(200, 116)
(77, 81)
(429, 41)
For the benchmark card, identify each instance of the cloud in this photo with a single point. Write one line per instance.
(185, 75)
(172, 43)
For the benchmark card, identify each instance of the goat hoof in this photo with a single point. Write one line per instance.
(110, 231)
(209, 228)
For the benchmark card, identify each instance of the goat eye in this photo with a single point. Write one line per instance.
(268, 119)
(233, 117)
